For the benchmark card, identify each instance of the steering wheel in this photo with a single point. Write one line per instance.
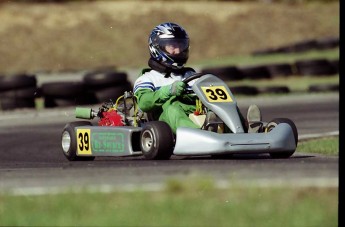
(192, 77)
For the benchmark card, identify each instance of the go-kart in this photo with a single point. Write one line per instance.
(124, 130)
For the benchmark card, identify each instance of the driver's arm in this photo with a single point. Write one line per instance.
(149, 100)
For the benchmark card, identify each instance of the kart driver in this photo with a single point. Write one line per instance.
(160, 90)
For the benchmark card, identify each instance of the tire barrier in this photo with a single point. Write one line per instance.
(244, 90)
(63, 94)
(317, 67)
(280, 70)
(335, 64)
(103, 84)
(106, 85)
(96, 87)
(305, 45)
(227, 73)
(18, 91)
(323, 87)
(274, 90)
(255, 72)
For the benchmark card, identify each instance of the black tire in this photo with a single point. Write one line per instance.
(279, 70)
(305, 45)
(157, 141)
(316, 67)
(69, 141)
(335, 64)
(112, 93)
(104, 78)
(229, 73)
(255, 72)
(272, 124)
(328, 43)
(62, 89)
(18, 98)
(274, 89)
(17, 81)
(244, 90)
(323, 87)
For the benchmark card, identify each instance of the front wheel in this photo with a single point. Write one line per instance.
(69, 141)
(157, 140)
(272, 124)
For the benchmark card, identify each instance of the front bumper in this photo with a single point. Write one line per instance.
(200, 142)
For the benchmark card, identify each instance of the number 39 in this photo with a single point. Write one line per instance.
(83, 141)
(217, 94)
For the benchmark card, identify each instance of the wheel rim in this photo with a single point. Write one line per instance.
(147, 141)
(66, 141)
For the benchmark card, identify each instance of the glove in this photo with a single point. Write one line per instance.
(177, 88)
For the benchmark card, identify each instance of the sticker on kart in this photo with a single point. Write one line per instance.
(216, 94)
(99, 142)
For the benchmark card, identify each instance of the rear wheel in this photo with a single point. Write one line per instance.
(69, 141)
(272, 124)
(157, 140)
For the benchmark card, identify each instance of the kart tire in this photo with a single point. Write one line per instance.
(157, 140)
(272, 124)
(69, 141)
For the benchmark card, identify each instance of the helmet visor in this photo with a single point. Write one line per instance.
(174, 47)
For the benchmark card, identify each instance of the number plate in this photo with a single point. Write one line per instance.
(216, 94)
(83, 138)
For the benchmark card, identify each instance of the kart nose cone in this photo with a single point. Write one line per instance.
(66, 141)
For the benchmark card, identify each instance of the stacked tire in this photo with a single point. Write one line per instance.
(226, 73)
(63, 94)
(18, 91)
(96, 87)
(316, 67)
(105, 85)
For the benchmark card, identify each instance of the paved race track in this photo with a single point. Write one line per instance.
(31, 159)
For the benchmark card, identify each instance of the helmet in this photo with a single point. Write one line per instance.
(169, 45)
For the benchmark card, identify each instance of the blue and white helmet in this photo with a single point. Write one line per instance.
(170, 35)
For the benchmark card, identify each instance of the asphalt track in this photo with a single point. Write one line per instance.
(31, 159)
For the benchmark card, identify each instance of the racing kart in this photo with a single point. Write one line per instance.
(124, 130)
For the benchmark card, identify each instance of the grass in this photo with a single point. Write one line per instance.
(325, 146)
(191, 205)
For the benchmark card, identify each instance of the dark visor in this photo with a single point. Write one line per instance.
(182, 44)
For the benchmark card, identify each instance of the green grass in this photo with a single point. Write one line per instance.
(189, 206)
(326, 146)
